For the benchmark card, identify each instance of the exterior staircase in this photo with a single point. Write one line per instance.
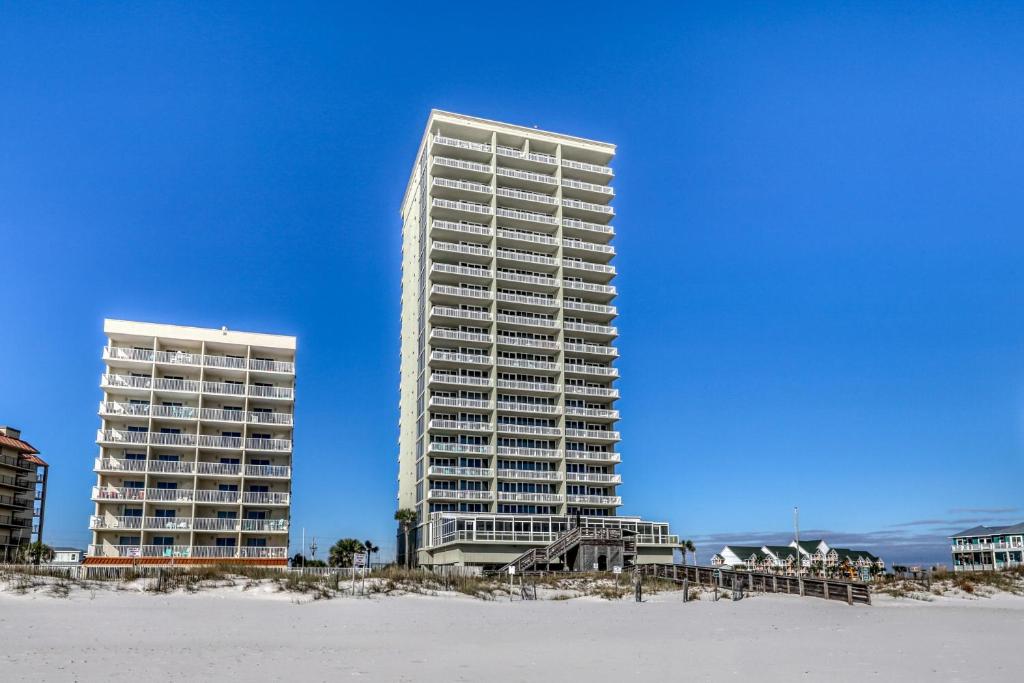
(571, 539)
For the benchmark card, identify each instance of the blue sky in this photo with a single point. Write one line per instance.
(819, 228)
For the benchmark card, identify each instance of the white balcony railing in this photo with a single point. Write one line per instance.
(461, 425)
(594, 477)
(526, 195)
(528, 300)
(527, 364)
(578, 264)
(464, 358)
(531, 430)
(462, 144)
(460, 205)
(260, 391)
(583, 245)
(528, 320)
(525, 236)
(528, 386)
(541, 280)
(452, 378)
(467, 249)
(467, 292)
(460, 448)
(458, 335)
(590, 287)
(172, 552)
(536, 453)
(591, 328)
(588, 226)
(587, 187)
(523, 215)
(275, 445)
(529, 497)
(466, 185)
(449, 312)
(584, 166)
(592, 412)
(531, 342)
(526, 175)
(593, 456)
(454, 402)
(595, 500)
(599, 434)
(602, 392)
(531, 156)
(602, 309)
(522, 407)
(525, 257)
(588, 206)
(462, 165)
(533, 475)
(471, 472)
(455, 494)
(596, 349)
(463, 227)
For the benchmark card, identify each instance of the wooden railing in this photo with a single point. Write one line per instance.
(851, 592)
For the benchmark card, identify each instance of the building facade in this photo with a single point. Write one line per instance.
(195, 446)
(988, 548)
(23, 477)
(809, 558)
(507, 397)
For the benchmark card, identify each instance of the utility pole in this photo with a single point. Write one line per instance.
(796, 528)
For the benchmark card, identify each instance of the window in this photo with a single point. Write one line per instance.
(256, 542)
(227, 487)
(128, 540)
(163, 540)
(165, 514)
(225, 542)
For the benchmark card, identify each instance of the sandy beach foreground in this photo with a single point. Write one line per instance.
(226, 634)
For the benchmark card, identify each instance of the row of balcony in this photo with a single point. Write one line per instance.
(172, 552)
(110, 522)
(195, 386)
(511, 152)
(509, 339)
(476, 229)
(484, 172)
(448, 378)
(486, 316)
(550, 454)
(107, 494)
(975, 547)
(569, 368)
(506, 496)
(113, 409)
(122, 353)
(521, 407)
(485, 253)
(215, 469)
(529, 430)
(531, 475)
(116, 437)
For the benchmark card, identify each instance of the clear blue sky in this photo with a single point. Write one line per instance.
(819, 226)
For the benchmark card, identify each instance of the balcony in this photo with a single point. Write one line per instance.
(525, 257)
(592, 328)
(529, 453)
(587, 168)
(526, 364)
(527, 342)
(195, 359)
(460, 426)
(525, 216)
(594, 477)
(269, 445)
(452, 378)
(581, 228)
(463, 472)
(518, 385)
(480, 148)
(459, 336)
(483, 253)
(595, 500)
(270, 392)
(462, 228)
(529, 178)
(592, 287)
(171, 552)
(601, 269)
(602, 250)
(533, 408)
(576, 368)
(452, 206)
(531, 430)
(449, 292)
(530, 475)
(592, 434)
(455, 358)
(118, 437)
(585, 188)
(460, 167)
(526, 197)
(126, 382)
(455, 494)
(454, 402)
(527, 321)
(459, 448)
(535, 157)
(587, 307)
(525, 236)
(112, 409)
(588, 207)
(460, 314)
(592, 349)
(510, 496)
(536, 301)
(600, 392)
(593, 456)
(448, 187)
(236, 389)
(597, 413)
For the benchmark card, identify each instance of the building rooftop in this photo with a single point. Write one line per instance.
(990, 530)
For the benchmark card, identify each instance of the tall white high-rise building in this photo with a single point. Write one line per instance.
(195, 446)
(508, 419)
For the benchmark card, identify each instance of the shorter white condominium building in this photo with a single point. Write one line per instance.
(195, 446)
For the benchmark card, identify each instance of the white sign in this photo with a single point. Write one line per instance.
(595, 566)
(616, 569)
(359, 560)
(512, 570)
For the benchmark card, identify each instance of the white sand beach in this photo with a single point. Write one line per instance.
(260, 635)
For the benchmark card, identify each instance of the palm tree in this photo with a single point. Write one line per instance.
(370, 550)
(692, 548)
(684, 547)
(340, 554)
(406, 517)
(35, 553)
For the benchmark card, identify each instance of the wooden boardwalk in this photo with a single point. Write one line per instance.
(850, 592)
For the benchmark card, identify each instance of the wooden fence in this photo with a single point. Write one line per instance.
(850, 592)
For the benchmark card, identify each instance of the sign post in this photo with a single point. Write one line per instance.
(358, 562)
(511, 581)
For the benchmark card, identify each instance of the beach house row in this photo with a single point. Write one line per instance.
(984, 548)
(812, 557)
